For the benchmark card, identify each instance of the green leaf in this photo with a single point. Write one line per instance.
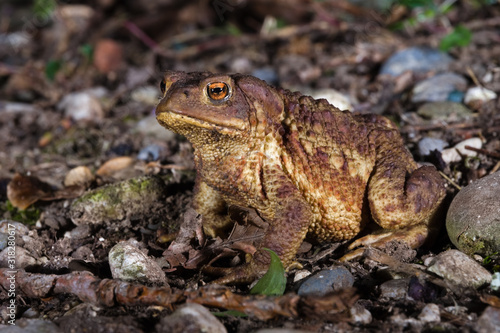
(43, 9)
(461, 36)
(51, 69)
(87, 51)
(415, 3)
(273, 283)
(229, 313)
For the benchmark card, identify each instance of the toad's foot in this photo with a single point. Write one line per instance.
(414, 236)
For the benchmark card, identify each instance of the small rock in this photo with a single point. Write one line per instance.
(300, 275)
(326, 281)
(84, 105)
(455, 153)
(129, 263)
(267, 74)
(427, 145)
(32, 326)
(19, 108)
(333, 97)
(473, 219)
(147, 95)
(394, 289)
(190, 318)
(478, 94)
(4, 239)
(430, 314)
(446, 111)
(115, 202)
(151, 153)
(438, 88)
(459, 269)
(360, 315)
(108, 55)
(8, 225)
(23, 258)
(489, 321)
(150, 126)
(495, 281)
(416, 59)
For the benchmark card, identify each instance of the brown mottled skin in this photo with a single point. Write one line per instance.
(305, 166)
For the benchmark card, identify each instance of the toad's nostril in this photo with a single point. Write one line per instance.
(186, 93)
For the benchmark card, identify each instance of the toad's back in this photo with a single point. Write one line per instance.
(330, 155)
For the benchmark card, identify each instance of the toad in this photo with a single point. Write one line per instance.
(306, 167)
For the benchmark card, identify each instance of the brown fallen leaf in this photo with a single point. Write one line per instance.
(108, 55)
(81, 176)
(23, 191)
(115, 166)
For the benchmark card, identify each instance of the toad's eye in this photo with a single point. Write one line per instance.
(163, 86)
(218, 91)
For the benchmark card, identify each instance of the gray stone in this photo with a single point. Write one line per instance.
(426, 145)
(190, 318)
(129, 263)
(416, 59)
(473, 219)
(438, 88)
(489, 321)
(32, 326)
(394, 289)
(116, 202)
(459, 269)
(326, 281)
(447, 111)
(360, 315)
(430, 314)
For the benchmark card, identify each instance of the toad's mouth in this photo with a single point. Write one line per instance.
(171, 118)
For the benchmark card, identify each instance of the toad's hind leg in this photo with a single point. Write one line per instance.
(403, 199)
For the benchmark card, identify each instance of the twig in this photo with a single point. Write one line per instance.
(109, 293)
(483, 151)
(450, 180)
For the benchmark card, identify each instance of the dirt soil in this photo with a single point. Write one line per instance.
(119, 50)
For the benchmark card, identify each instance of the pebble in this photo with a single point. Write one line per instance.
(150, 126)
(31, 326)
(478, 94)
(18, 108)
(151, 153)
(430, 314)
(190, 317)
(129, 263)
(416, 59)
(333, 97)
(459, 269)
(455, 153)
(18, 227)
(326, 281)
(396, 289)
(147, 95)
(4, 239)
(360, 315)
(427, 145)
(84, 105)
(80, 175)
(438, 88)
(23, 258)
(267, 74)
(495, 281)
(446, 111)
(115, 202)
(489, 321)
(473, 219)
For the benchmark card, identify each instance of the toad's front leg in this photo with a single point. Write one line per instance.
(289, 220)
